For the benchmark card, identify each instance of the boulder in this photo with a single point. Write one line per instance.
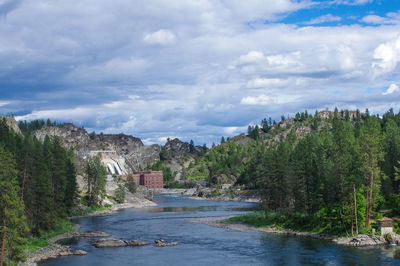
(136, 243)
(109, 243)
(114, 243)
(80, 253)
(162, 243)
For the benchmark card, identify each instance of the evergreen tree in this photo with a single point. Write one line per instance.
(371, 154)
(12, 219)
(95, 176)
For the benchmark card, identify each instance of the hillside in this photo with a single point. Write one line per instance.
(225, 162)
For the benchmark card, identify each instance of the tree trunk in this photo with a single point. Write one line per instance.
(4, 236)
(23, 183)
(370, 194)
(369, 199)
(355, 207)
(367, 207)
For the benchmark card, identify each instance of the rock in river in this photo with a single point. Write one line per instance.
(114, 243)
(162, 243)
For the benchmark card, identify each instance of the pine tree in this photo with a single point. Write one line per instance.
(12, 218)
(95, 177)
(371, 154)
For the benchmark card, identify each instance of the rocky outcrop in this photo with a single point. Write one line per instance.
(131, 148)
(70, 135)
(178, 149)
(143, 156)
(115, 243)
(361, 240)
(11, 123)
(225, 195)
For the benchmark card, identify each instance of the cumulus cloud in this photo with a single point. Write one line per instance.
(392, 88)
(162, 37)
(265, 82)
(387, 56)
(323, 19)
(187, 69)
(256, 100)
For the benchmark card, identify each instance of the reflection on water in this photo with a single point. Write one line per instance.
(204, 245)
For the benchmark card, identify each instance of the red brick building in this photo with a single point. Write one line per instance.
(150, 179)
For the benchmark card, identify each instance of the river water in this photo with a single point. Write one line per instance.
(204, 245)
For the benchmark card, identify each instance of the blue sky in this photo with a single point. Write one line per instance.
(195, 69)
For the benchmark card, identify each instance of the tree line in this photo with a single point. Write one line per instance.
(37, 187)
(337, 178)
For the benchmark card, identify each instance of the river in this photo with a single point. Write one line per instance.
(204, 245)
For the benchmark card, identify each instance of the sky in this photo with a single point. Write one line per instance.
(195, 69)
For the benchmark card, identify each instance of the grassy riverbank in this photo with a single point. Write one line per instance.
(89, 210)
(36, 243)
(296, 222)
(61, 227)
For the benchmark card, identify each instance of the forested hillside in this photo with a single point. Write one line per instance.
(336, 171)
(37, 187)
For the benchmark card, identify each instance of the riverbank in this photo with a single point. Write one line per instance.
(139, 204)
(360, 240)
(54, 250)
(213, 194)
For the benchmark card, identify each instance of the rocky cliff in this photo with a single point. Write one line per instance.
(136, 153)
(11, 123)
(178, 149)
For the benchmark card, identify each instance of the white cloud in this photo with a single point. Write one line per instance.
(387, 56)
(4, 103)
(251, 57)
(390, 18)
(351, 2)
(392, 88)
(265, 82)
(162, 37)
(323, 19)
(256, 100)
(373, 19)
(180, 68)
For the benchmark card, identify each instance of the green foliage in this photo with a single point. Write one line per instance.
(35, 243)
(28, 127)
(345, 168)
(254, 132)
(163, 154)
(168, 174)
(120, 194)
(88, 210)
(176, 184)
(95, 177)
(13, 221)
(394, 204)
(131, 184)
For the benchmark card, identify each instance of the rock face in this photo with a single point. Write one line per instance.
(177, 149)
(115, 243)
(132, 149)
(11, 123)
